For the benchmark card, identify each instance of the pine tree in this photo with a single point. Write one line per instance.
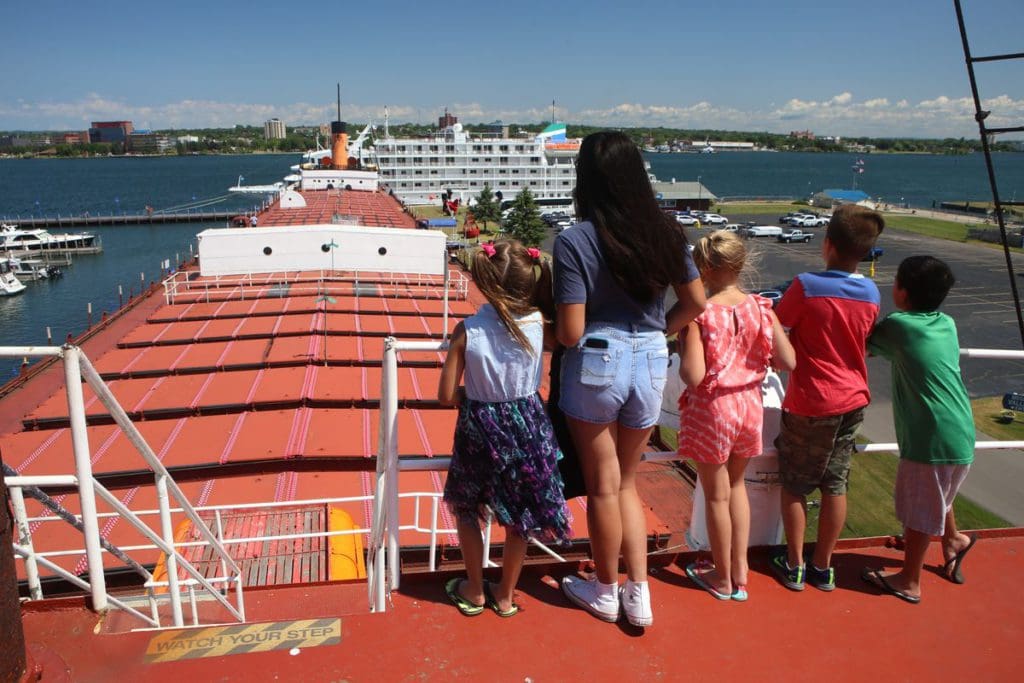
(524, 222)
(487, 209)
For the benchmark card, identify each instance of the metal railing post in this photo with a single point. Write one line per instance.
(35, 588)
(167, 533)
(83, 470)
(389, 430)
(433, 533)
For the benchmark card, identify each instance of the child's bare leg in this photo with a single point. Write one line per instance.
(830, 526)
(952, 540)
(715, 480)
(794, 520)
(511, 565)
(472, 544)
(739, 513)
(908, 579)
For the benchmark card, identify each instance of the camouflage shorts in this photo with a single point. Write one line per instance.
(815, 452)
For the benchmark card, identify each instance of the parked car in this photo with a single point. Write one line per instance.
(732, 227)
(687, 219)
(713, 219)
(795, 235)
(785, 219)
(763, 231)
(874, 254)
(773, 295)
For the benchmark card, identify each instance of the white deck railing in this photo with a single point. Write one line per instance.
(313, 283)
(77, 367)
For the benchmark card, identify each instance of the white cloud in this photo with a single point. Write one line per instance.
(840, 114)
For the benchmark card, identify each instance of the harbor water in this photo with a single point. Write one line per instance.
(132, 254)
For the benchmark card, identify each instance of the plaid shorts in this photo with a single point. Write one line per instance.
(816, 452)
(924, 493)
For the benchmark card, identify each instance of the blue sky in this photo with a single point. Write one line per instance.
(844, 68)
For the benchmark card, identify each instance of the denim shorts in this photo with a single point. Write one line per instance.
(615, 374)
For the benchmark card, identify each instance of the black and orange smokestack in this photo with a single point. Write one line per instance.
(339, 145)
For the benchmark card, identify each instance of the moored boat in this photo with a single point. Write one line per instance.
(13, 238)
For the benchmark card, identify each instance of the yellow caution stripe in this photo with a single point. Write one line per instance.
(221, 641)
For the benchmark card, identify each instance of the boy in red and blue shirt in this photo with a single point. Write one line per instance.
(830, 315)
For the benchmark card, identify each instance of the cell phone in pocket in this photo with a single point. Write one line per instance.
(596, 343)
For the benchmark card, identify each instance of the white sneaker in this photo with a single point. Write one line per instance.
(603, 604)
(636, 603)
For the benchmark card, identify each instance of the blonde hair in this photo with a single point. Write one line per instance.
(513, 281)
(721, 250)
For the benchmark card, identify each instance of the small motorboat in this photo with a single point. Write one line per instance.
(9, 284)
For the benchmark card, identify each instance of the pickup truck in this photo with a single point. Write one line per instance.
(795, 236)
(763, 231)
(809, 221)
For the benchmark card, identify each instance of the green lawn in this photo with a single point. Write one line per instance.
(870, 503)
(933, 227)
(759, 208)
(987, 412)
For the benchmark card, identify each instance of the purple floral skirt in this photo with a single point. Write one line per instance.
(506, 457)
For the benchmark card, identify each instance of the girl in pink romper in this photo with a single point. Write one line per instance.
(725, 354)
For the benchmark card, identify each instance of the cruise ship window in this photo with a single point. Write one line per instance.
(487, 160)
(533, 183)
(400, 148)
(503, 148)
(475, 160)
(534, 160)
(433, 173)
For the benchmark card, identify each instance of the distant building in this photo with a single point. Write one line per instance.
(833, 197)
(188, 139)
(683, 196)
(802, 134)
(274, 130)
(447, 120)
(148, 142)
(74, 138)
(110, 131)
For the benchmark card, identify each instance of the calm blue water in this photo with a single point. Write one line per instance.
(915, 179)
(114, 185)
(111, 186)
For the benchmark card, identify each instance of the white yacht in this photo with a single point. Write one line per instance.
(9, 284)
(420, 170)
(13, 238)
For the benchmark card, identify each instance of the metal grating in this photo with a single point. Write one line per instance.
(269, 562)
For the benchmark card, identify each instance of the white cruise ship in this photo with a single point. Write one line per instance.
(420, 170)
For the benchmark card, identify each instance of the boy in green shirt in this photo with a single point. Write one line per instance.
(933, 420)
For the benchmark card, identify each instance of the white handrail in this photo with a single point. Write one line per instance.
(76, 368)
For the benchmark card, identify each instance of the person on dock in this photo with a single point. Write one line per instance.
(829, 316)
(933, 419)
(611, 274)
(724, 357)
(505, 456)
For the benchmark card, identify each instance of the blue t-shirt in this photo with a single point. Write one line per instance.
(583, 277)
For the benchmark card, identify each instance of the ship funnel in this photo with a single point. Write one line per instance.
(339, 145)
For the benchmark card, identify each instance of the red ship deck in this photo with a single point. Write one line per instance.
(966, 632)
(264, 391)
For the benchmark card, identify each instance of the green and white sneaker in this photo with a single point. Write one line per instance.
(791, 577)
(822, 579)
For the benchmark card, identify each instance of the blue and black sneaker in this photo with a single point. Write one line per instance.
(822, 579)
(791, 577)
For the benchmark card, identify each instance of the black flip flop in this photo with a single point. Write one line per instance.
(492, 603)
(876, 579)
(451, 589)
(951, 570)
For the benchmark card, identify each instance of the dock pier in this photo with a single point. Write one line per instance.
(124, 219)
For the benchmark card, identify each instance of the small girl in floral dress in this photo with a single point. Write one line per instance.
(725, 354)
(505, 455)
